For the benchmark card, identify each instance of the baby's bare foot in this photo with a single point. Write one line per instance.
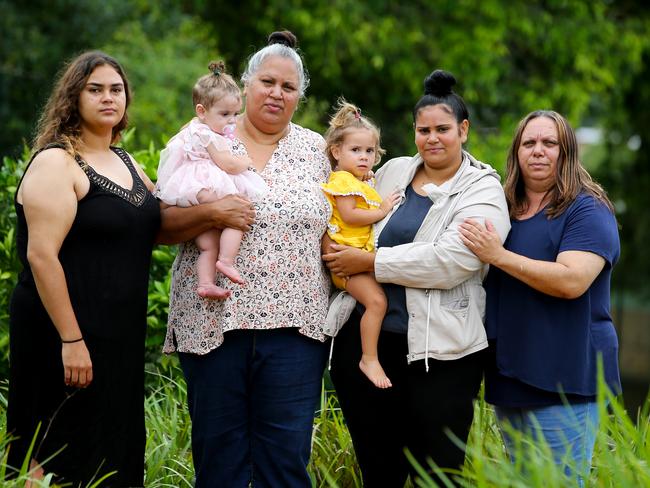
(375, 373)
(230, 271)
(212, 291)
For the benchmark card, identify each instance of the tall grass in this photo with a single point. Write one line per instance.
(621, 458)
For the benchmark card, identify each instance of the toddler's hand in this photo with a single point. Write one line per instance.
(389, 202)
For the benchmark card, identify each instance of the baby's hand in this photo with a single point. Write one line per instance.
(248, 161)
(389, 202)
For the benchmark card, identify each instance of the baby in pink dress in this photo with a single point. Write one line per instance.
(197, 166)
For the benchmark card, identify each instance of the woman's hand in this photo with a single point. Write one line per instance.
(345, 261)
(77, 366)
(482, 241)
(234, 211)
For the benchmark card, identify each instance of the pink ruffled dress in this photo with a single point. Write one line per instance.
(186, 168)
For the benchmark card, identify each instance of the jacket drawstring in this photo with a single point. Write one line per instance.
(426, 340)
(329, 359)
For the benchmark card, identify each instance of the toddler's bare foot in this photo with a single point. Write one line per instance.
(231, 273)
(375, 373)
(212, 291)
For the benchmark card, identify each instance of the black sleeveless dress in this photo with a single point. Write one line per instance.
(105, 256)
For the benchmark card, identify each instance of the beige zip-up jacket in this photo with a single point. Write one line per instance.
(445, 298)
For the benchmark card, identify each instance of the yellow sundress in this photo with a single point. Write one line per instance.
(342, 183)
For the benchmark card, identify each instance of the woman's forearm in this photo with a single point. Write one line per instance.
(568, 277)
(53, 291)
(180, 224)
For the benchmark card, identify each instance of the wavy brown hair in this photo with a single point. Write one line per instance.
(571, 177)
(60, 122)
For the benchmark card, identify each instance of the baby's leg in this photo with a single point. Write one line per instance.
(208, 244)
(368, 292)
(229, 247)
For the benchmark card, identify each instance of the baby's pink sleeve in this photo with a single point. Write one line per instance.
(219, 142)
(208, 136)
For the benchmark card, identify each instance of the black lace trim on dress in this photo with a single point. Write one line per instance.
(136, 196)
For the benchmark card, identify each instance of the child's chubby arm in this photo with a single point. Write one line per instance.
(228, 162)
(352, 215)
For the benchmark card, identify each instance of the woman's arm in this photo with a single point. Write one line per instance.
(180, 224)
(49, 199)
(569, 276)
(351, 215)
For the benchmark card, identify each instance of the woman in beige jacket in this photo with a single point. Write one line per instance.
(433, 333)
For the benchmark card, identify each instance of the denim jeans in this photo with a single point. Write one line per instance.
(252, 403)
(569, 430)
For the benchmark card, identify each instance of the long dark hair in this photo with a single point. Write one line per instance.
(60, 121)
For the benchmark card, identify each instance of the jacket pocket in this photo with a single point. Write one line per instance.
(455, 300)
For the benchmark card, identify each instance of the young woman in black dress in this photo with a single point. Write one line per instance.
(87, 223)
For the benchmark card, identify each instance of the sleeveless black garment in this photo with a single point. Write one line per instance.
(106, 257)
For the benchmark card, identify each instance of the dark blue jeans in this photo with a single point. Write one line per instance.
(252, 403)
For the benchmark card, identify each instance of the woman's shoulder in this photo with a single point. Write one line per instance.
(586, 202)
(397, 164)
(52, 158)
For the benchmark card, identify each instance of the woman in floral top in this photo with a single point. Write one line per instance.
(253, 362)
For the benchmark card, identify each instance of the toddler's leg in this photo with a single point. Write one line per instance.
(368, 292)
(208, 244)
(228, 249)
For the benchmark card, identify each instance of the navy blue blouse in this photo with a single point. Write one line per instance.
(545, 345)
(401, 229)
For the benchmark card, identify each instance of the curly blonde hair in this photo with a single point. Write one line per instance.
(348, 117)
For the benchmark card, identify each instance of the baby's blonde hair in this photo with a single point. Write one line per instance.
(348, 116)
(214, 86)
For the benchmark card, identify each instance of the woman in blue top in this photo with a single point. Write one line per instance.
(548, 292)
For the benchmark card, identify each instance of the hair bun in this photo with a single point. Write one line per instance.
(439, 83)
(284, 37)
(217, 67)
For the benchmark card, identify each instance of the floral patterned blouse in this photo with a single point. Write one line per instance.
(279, 258)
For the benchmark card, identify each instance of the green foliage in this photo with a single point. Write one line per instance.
(10, 174)
(162, 69)
(333, 461)
(169, 444)
(37, 37)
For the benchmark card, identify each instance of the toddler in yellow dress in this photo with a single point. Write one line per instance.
(353, 149)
